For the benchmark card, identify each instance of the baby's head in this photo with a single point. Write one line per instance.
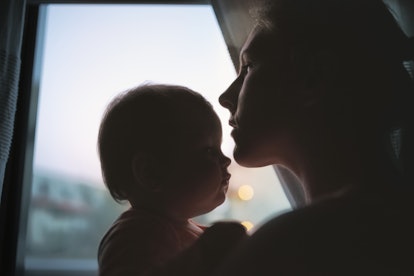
(162, 143)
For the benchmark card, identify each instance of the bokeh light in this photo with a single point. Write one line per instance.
(245, 192)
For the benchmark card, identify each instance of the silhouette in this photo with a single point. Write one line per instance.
(322, 91)
(160, 149)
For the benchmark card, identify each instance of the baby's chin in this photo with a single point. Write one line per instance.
(212, 207)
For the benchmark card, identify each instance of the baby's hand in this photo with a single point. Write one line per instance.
(218, 241)
(207, 253)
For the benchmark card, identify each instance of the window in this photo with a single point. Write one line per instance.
(91, 53)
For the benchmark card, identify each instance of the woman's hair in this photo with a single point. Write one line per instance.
(343, 24)
(144, 119)
(373, 88)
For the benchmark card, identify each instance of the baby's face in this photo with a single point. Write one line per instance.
(198, 178)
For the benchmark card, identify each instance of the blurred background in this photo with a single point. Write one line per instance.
(90, 54)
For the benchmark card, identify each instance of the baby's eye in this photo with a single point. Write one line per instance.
(211, 151)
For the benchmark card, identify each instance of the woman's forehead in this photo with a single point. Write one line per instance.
(261, 43)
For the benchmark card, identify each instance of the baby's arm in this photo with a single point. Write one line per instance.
(136, 247)
(133, 254)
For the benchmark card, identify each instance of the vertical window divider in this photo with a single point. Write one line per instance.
(18, 179)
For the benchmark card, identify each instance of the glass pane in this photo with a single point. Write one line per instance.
(93, 52)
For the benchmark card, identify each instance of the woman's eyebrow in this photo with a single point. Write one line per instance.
(241, 60)
(246, 52)
(244, 55)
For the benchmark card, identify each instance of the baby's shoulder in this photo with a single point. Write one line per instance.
(141, 223)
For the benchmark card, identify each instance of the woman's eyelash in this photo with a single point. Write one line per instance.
(246, 68)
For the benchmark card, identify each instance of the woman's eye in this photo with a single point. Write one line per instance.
(246, 68)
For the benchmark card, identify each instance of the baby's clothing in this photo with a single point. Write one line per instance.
(140, 240)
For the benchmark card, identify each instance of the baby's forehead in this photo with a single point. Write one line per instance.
(196, 134)
(197, 119)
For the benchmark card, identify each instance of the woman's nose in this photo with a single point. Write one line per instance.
(229, 97)
(224, 101)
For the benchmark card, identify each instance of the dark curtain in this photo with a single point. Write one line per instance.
(11, 24)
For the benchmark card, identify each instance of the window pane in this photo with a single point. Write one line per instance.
(93, 52)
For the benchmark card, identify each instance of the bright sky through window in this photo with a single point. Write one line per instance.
(93, 52)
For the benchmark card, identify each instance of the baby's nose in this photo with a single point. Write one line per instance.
(226, 161)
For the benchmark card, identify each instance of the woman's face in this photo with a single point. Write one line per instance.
(261, 101)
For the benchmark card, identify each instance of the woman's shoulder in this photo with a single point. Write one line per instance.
(366, 209)
(366, 231)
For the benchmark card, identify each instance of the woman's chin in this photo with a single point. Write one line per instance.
(250, 158)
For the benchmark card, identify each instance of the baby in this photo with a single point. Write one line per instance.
(160, 150)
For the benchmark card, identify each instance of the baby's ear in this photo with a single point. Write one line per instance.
(144, 169)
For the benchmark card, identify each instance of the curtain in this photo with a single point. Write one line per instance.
(11, 29)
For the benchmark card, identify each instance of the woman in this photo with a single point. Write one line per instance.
(322, 91)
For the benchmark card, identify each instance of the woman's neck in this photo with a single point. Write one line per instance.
(331, 164)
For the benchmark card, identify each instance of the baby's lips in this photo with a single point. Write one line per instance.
(226, 178)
